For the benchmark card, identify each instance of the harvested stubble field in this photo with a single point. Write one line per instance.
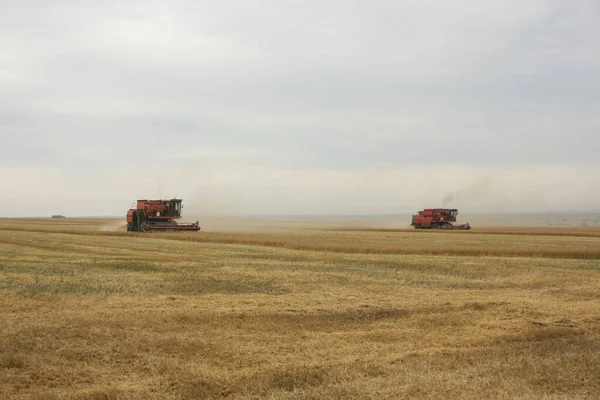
(94, 313)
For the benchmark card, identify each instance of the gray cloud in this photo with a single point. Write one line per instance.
(296, 88)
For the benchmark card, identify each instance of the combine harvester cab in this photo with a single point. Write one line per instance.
(437, 218)
(158, 216)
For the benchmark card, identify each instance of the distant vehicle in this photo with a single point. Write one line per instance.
(58, 216)
(437, 218)
(158, 216)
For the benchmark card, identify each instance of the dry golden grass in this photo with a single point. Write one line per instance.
(566, 243)
(98, 315)
(535, 231)
(86, 224)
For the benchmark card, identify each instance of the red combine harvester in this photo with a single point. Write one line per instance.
(437, 218)
(158, 216)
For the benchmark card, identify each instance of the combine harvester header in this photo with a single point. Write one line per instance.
(158, 216)
(437, 218)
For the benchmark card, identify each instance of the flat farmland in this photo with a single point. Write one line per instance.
(91, 312)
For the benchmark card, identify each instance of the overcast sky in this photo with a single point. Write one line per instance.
(299, 107)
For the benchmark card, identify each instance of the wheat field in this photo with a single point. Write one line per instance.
(91, 312)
